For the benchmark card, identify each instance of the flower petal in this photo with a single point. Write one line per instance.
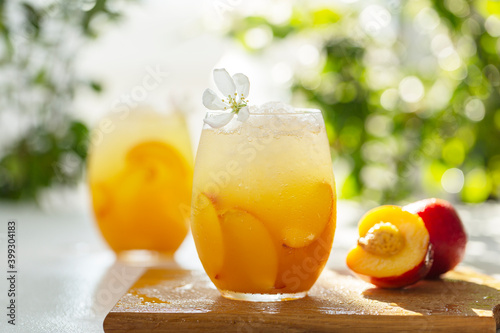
(243, 114)
(212, 101)
(224, 82)
(219, 120)
(242, 84)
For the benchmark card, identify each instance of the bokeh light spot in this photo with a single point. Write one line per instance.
(452, 180)
(280, 12)
(389, 99)
(374, 18)
(441, 46)
(439, 95)
(281, 73)
(450, 62)
(411, 89)
(466, 46)
(378, 177)
(427, 19)
(458, 7)
(492, 25)
(308, 55)
(474, 109)
(379, 125)
(257, 38)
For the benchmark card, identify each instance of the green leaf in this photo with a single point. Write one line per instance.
(33, 17)
(40, 77)
(96, 86)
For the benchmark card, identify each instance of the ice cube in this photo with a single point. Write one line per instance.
(275, 107)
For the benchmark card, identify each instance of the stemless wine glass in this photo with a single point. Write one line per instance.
(264, 206)
(140, 172)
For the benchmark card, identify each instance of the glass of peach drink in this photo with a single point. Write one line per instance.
(263, 206)
(140, 172)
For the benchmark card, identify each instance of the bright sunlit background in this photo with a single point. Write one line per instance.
(409, 89)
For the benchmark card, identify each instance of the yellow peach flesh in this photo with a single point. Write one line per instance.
(296, 217)
(207, 235)
(411, 228)
(250, 257)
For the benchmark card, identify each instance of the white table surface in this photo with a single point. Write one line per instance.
(68, 279)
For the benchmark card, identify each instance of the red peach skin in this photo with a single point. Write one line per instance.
(446, 233)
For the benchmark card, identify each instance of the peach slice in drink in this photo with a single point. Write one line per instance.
(207, 235)
(295, 214)
(300, 267)
(101, 199)
(250, 258)
(145, 203)
(299, 214)
(162, 162)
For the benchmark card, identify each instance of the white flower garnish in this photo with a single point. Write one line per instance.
(234, 89)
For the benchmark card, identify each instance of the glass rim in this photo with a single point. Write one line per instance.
(297, 111)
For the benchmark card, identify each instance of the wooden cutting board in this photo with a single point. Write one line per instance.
(172, 300)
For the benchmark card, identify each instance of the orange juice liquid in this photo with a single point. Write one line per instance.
(140, 176)
(264, 205)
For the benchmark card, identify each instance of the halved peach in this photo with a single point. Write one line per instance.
(393, 250)
(207, 235)
(250, 260)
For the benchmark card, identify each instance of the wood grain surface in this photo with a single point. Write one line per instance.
(176, 300)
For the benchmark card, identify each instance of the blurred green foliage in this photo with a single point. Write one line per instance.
(409, 91)
(38, 43)
(41, 159)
